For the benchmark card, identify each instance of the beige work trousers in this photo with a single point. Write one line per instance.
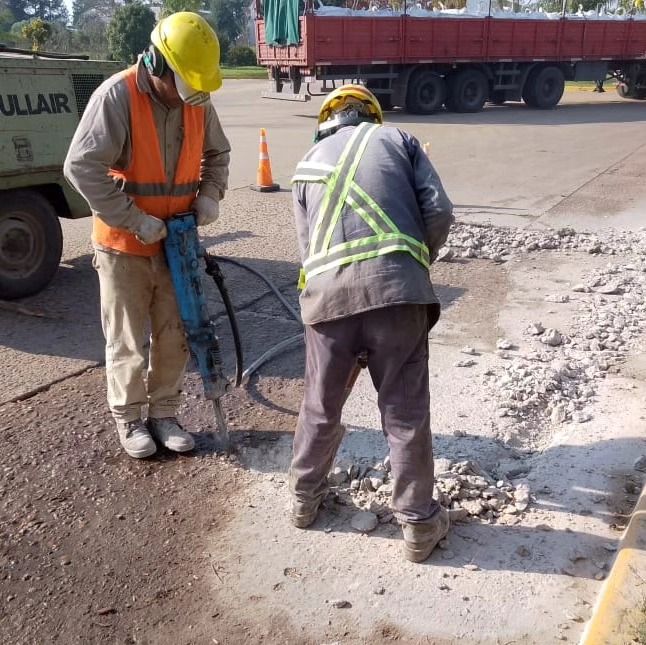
(137, 303)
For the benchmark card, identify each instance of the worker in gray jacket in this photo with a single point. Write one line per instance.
(149, 146)
(371, 216)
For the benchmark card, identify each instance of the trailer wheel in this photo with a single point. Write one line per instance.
(626, 92)
(623, 91)
(544, 88)
(31, 243)
(426, 93)
(468, 91)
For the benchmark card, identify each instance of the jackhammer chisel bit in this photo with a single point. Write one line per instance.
(183, 254)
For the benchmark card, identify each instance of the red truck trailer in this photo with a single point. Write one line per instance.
(424, 63)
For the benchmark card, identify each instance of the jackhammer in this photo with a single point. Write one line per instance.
(183, 254)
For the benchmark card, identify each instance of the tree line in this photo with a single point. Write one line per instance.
(116, 30)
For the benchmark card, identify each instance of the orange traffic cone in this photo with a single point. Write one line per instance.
(264, 180)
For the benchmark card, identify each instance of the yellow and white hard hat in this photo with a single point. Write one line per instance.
(191, 49)
(343, 97)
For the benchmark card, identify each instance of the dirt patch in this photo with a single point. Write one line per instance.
(97, 547)
(472, 293)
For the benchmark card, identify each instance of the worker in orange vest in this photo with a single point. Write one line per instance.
(149, 146)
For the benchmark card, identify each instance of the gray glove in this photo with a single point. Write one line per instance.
(150, 230)
(207, 210)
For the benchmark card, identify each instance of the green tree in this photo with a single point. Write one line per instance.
(100, 8)
(229, 17)
(173, 6)
(242, 57)
(129, 31)
(38, 31)
(90, 35)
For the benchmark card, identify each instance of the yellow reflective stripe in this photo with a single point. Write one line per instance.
(379, 231)
(364, 215)
(366, 132)
(333, 202)
(352, 244)
(358, 257)
(420, 252)
(333, 179)
(375, 207)
(387, 239)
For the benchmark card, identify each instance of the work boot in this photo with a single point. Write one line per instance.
(135, 439)
(170, 434)
(303, 514)
(421, 539)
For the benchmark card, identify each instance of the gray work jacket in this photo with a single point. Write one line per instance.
(398, 175)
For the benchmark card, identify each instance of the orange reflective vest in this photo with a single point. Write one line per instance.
(145, 178)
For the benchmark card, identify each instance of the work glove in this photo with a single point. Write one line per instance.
(207, 210)
(150, 230)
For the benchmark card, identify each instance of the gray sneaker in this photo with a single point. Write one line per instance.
(421, 539)
(170, 434)
(135, 439)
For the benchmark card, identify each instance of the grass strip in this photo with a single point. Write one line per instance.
(244, 72)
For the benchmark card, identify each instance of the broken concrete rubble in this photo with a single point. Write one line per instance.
(463, 487)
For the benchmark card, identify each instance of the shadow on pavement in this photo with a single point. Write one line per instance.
(520, 114)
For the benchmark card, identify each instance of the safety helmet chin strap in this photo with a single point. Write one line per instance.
(342, 119)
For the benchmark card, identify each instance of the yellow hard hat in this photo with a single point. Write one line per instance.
(191, 48)
(338, 99)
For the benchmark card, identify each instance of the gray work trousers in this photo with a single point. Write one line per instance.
(396, 340)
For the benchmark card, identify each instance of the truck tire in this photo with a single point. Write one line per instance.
(31, 243)
(426, 93)
(544, 88)
(468, 91)
(623, 91)
(628, 92)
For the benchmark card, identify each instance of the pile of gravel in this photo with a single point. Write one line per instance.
(551, 375)
(463, 487)
(500, 244)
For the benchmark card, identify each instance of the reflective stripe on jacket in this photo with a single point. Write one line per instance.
(145, 179)
(345, 198)
(405, 199)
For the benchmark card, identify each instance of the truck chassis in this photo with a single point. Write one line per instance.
(425, 64)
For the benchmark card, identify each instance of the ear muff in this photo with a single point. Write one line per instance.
(154, 61)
